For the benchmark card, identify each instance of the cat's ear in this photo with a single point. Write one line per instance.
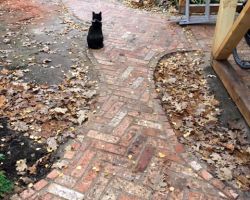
(100, 13)
(93, 13)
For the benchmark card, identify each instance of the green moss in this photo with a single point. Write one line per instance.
(5, 184)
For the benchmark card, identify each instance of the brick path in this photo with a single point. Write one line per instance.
(116, 155)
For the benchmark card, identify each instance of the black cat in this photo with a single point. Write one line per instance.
(95, 35)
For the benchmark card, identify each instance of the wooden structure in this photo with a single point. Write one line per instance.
(199, 8)
(206, 17)
(228, 33)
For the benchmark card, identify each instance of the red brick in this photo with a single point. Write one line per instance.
(160, 195)
(53, 174)
(114, 159)
(144, 159)
(69, 154)
(205, 174)
(151, 132)
(116, 149)
(66, 180)
(126, 94)
(170, 132)
(128, 197)
(137, 146)
(127, 138)
(26, 194)
(113, 110)
(218, 184)
(40, 184)
(169, 155)
(122, 127)
(149, 116)
(45, 197)
(179, 148)
(83, 162)
(108, 104)
(145, 96)
(75, 146)
(194, 196)
(84, 184)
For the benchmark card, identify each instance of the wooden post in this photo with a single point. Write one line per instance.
(182, 2)
(234, 35)
(225, 19)
(182, 5)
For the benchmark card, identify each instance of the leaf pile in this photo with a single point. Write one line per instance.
(194, 112)
(152, 5)
(47, 111)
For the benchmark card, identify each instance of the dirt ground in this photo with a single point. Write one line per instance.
(40, 44)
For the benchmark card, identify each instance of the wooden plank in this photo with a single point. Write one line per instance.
(234, 35)
(182, 2)
(238, 91)
(225, 20)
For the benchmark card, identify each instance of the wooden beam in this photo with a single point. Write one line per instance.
(237, 89)
(225, 20)
(235, 34)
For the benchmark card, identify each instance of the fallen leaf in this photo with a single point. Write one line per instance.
(161, 155)
(60, 110)
(82, 116)
(21, 165)
(52, 144)
(2, 101)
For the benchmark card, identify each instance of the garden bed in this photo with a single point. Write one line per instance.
(204, 117)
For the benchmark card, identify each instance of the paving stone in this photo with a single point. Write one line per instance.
(110, 194)
(137, 82)
(98, 188)
(66, 180)
(118, 118)
(144, 159)
(65, 192)
(149, 124)
(40, 184)
(126, 73)
(103, 136)
(131, 188)
(122, 127)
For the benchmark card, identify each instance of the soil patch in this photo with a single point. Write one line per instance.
(204, 116)
(15, 147)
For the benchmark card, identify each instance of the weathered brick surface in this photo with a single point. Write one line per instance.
(40, 184)
(144, 159)
(129, 141)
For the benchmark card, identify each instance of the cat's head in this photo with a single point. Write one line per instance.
(97, 16)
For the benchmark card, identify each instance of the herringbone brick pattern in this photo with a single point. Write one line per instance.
(128, 150)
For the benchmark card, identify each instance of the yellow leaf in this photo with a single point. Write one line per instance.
(79, 167)
(161, 155)
(96, 169)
